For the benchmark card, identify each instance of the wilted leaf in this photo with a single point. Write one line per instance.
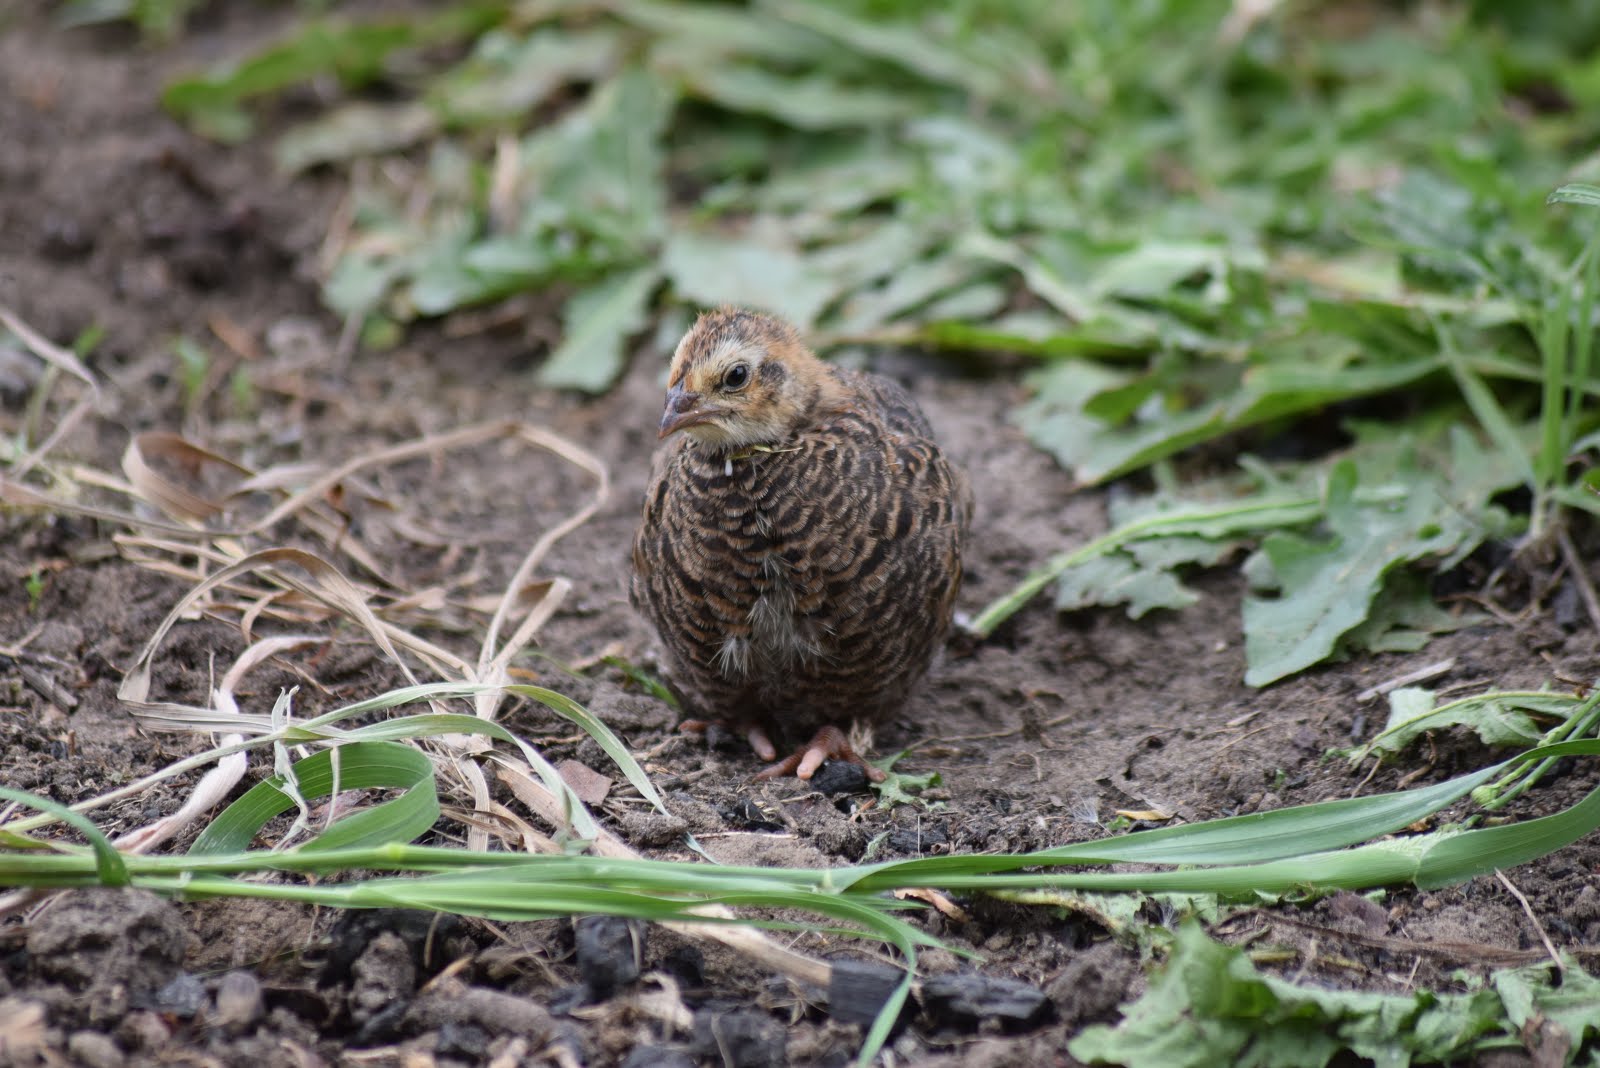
(1208, 1006)
(899, 43)
(909, 287)
(1117, 578)
(506, 77)
(354, 52)
(1534, 999)
(813, 102)
(354, 130)
(1497, 718)
(1097, 441)
(1404, 617)
(598, 171)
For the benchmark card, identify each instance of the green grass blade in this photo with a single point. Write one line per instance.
(109, 868)
(563, 705)
(356, 766)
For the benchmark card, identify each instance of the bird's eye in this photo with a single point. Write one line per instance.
(736, 376)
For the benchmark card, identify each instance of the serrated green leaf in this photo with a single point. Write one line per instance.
(1328, 583)
(1404, 617)
(598, 171)
(1533, 997)
(909, 287)
(1497, 717)
(354, 52)
(1119, 579)
(899, 43)
(596, 324)
(1208, 1005)
(1065, 420)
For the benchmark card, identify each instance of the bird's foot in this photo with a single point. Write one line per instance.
(829, 743)
(754, 735)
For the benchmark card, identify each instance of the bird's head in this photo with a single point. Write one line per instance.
(740, 378)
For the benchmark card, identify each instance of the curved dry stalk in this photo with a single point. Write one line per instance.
(335, 590)
(749, 941)
(59, 359)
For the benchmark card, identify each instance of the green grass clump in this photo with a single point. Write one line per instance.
(1306, 849)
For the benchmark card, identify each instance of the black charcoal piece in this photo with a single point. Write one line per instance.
(610, 949)
(743, 1038)
(966, 1000)
(858, 990)
(840, 777)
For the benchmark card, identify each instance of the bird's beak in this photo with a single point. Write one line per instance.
(683, 410)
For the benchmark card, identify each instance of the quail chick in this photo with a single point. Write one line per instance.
(801, 545)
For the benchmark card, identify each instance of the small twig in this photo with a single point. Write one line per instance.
(1462, 952)
(1533, 919)
(1580, 575)
(1410, 678)
(47, 687)
(989, 736)
(1242, 737)
(1376, 764)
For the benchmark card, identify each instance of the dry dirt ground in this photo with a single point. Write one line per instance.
(112, 216)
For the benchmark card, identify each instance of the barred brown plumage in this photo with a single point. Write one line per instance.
(801, 545)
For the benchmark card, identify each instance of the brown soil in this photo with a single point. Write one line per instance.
(111, 215)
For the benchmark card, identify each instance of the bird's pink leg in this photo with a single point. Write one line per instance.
(756, 736)
(829, 743)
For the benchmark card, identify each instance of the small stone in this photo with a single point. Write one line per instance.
(965, 1001)
(239, 1003)
(740, 1039)
(924, 838)
(657, 1057)
(145, 1031)
(747, 815)
(94, 1049)
(652, 829)
(183, 997)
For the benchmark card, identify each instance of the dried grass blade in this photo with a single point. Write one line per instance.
(62, 360)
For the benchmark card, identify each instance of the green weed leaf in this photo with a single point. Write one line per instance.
(1208, 1005)
(597, 323)
(1327, 583)
(711, 270)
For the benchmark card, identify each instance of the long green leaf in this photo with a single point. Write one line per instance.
(356, 766)
(109, 869)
